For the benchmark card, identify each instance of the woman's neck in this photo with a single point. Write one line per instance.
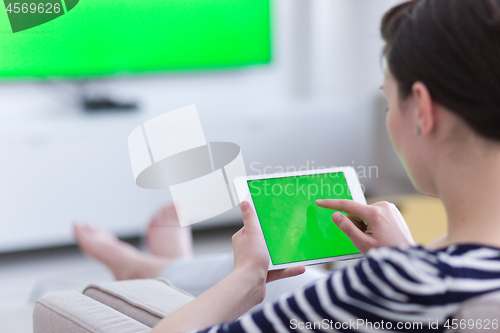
(470, 190)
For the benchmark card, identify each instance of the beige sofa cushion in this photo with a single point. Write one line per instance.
(72, 312)
(146, 301)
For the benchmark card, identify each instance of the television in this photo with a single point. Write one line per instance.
(91, 39)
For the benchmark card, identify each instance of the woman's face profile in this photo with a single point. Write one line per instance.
(401, 127)
(395, 120)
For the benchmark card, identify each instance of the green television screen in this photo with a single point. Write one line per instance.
(294, 227)
(71, 39)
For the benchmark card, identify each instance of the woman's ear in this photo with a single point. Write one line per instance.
(425, 116)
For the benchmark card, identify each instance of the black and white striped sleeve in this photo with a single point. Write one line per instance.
(391, 289)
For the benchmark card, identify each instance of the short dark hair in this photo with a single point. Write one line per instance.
(453, 47)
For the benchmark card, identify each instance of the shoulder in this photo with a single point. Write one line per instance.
(417, 271)
(445, 261)
(388, 284)
(413, 261)
(398, 272)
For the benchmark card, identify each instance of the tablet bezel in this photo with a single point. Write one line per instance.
(243, 194)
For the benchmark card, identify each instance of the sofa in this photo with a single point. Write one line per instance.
(136, 306)
(132, 306)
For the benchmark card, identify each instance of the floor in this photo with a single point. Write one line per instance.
(26, 276)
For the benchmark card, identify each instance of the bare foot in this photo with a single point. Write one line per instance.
(125, 261)
(165, 237)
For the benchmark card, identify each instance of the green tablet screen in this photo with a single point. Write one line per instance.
(294, 227)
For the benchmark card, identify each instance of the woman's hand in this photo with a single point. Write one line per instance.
(376, 225)
(250, 252)
(236, 293)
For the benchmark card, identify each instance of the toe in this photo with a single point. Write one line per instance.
(171, 213)
(78, 230)
(166, 216)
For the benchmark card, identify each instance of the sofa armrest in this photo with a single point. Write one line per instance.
(72, 312)
(146, 301)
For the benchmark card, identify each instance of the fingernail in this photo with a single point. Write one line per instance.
(319, 201)
(337, 217)
(244, 205)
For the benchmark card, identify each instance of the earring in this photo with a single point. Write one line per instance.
(417, 131)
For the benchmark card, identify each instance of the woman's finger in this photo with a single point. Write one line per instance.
(358, 222)
(347, 206)
(249, 218)
(238, 234)
(284, 273)
(357, 237)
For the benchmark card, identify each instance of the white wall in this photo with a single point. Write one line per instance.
(315, 102)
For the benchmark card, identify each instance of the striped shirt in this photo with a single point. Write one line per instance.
(398, 289)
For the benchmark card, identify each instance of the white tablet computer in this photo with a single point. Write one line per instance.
(296, 230)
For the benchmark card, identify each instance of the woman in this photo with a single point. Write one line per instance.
(443, 86)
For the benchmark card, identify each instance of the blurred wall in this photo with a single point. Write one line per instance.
(316, 104)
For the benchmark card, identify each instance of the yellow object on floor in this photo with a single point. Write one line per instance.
(425, 216)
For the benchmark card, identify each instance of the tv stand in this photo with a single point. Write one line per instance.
(105, 104)
(93, 99)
